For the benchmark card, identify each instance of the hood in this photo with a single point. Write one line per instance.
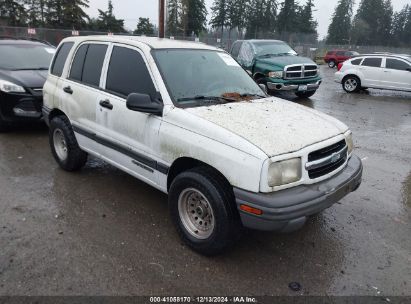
(28, 79)
(283, 61)
(274, 125)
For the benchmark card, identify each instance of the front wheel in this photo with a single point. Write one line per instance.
(306, 94)
(64, 146)
(203, 209)
(332, 64)
(351, 84)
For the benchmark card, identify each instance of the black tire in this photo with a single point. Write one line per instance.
(75, 158)
(306, 94)
(351, 84)
(332, 64)
(219, 194)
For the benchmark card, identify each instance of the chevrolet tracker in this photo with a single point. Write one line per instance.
(187, 119)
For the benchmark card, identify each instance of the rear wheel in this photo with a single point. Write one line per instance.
(332, 64)
(64, 146)
(306, 94)
(351, 84)
(203, 209)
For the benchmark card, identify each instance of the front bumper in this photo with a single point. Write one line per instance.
(288, 210)
(17, 107)
(272, 86)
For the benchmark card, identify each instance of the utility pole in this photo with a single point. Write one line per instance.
(161, 25)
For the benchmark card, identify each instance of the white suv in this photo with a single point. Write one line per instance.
(188, 120)
(378, 71)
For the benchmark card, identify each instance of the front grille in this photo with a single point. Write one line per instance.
(327, 151)
(315, 173)
(327, 160)
(301, 71)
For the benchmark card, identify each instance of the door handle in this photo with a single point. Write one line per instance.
(68, 90)
(106, 104)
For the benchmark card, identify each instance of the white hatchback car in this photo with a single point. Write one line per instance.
(188, 120)
(378, 71)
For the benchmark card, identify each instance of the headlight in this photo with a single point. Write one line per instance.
(284, 172)
(9, 87)
(350, 143)
(277, 74)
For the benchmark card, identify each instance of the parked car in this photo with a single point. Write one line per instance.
(378, 71)
(23, 71)
(333, 58)
(276, 65)
(187, 119)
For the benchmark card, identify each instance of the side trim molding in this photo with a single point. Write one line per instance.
(139, 159)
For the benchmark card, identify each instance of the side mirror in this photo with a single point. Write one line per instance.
(144, 103)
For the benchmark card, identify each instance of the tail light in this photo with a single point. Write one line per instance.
(340, 65)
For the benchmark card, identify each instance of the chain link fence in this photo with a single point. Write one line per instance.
(315, 51)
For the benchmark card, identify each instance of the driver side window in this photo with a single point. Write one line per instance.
(128, 73)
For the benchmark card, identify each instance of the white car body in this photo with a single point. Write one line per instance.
(383, 76)
(239, 140)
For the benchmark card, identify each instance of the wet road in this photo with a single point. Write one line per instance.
(102, 232)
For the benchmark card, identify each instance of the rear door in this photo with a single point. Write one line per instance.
(371, 72)
(396, 74)
(82, 89)
(340, 56)
(131, 138)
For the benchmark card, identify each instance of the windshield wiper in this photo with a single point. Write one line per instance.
(205, 98)
(32, 69)
(252, 95)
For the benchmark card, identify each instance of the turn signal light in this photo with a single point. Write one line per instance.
(251, 210)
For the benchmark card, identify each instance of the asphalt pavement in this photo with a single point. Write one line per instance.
(102, 232)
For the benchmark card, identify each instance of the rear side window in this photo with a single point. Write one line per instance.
(93, 64)
(60, 58)
(395, 64)
(236, 49)
(76, 71)
(372, 62)
(340, 54)
(356, 61)
(128, 73)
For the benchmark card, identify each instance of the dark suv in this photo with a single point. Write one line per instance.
(23, 72)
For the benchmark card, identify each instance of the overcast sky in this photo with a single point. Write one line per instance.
(131, 10)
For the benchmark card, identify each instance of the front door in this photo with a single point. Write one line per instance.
(397, 74)
(131, 137)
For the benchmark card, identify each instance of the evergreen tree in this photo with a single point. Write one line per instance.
(174, 17)
(401, 27)
(220, 16)
(339, 31)
(144, 27)
(307, 24)
(237, 13)
(108, 22)
(36, 12)
(368, 22)
(287, 18)
(195, 16)
(13, 12)
(255, 19)
(67, 14)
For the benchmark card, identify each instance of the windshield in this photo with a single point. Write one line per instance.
(203, 77)
(275, 48)
(25, 56)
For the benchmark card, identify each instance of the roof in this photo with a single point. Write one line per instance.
(402, 56)
(152, 42)
(23, 40)
(261, 40)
